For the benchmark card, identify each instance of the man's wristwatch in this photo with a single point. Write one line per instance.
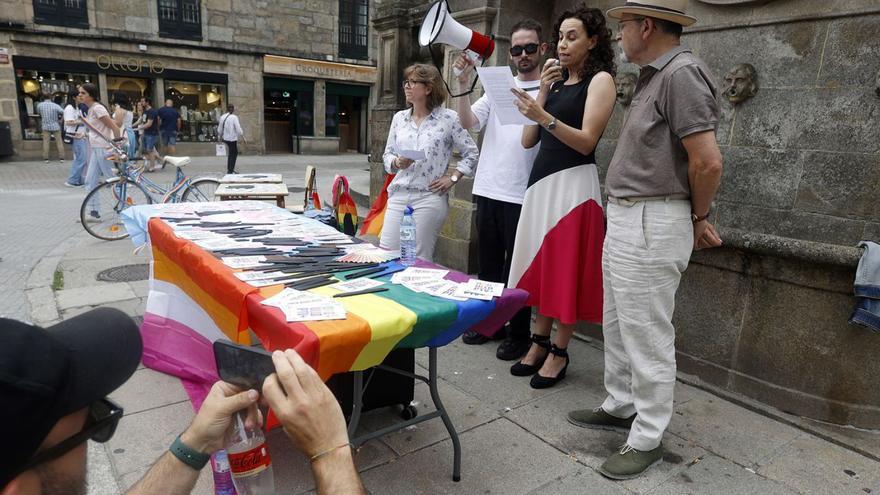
(454, 179)
(697, 218)
(551, 125)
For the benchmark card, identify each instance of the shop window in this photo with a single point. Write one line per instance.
(134, 88)
(353, 28)
(34, 85)
(200, 106)
(68, 13)
(181, 19)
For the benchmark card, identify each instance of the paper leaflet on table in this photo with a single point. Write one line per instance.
(480, 289)
(358, 284)
(306, 306)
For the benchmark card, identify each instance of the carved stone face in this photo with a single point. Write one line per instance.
(626, 86)
(741, 83)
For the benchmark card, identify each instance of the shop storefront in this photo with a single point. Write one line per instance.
(316, 107)
(200, 97)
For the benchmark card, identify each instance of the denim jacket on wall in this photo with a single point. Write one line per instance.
(867, 287)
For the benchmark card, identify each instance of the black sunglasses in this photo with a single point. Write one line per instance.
(516, 50)
(100, 426)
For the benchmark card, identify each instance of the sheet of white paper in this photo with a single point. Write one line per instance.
(414, 154)
(497, 83)
(358, 284)
(243, 261)
(480, 289)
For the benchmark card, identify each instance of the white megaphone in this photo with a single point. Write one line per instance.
(438, 26)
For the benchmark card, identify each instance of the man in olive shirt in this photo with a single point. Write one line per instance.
(660, 184)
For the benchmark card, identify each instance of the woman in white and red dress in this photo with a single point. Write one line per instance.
(558, 251)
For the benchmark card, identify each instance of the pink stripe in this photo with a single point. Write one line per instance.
(174, 348)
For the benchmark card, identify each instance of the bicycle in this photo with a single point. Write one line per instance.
(101, 210)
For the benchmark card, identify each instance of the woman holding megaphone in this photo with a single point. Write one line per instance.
(420, 144)
(558, 251)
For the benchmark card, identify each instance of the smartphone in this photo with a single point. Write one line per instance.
(242, 365)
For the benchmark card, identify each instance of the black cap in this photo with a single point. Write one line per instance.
(46, 374)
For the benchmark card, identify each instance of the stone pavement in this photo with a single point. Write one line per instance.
(515, 440)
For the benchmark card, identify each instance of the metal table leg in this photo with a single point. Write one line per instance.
(431, 380)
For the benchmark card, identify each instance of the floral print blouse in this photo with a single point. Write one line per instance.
(438, 134)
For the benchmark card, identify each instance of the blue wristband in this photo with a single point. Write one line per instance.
(188, 455)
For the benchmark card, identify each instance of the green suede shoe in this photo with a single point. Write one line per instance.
(630, 463)
(599, 419)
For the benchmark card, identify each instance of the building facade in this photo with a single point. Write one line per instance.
(766, 315)
(300, 74)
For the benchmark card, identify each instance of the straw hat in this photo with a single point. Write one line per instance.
(669, 10)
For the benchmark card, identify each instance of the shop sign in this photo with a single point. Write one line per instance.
(4, 55)
(129, 64)
(316, 69)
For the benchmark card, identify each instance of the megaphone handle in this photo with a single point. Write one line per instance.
(474, 56)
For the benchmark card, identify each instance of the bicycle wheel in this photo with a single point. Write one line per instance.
(100, 211)
(200, 190)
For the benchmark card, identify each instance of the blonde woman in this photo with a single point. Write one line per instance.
(427, 127)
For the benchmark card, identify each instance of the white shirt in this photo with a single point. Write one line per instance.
(96, 113)
(72, 113)
(504, 167)
(229, 127)
(436, 136)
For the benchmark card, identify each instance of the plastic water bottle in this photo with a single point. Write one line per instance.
(222, 477)
(249, 460)
(408, 238)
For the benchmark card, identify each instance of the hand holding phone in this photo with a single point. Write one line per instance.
(242, 365)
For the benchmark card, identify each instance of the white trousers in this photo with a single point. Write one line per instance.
(429, 212)
(647, 247)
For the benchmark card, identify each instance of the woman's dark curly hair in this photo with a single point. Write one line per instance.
(601, 57)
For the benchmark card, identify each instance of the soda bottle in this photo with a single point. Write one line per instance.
(222, 477)
(408, 238)
(249, 460)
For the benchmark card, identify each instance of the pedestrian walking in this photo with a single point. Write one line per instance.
(150, 130)
(661, 181)
(229, 131)
(501, 178)
(101, 129)
(124, 119)
(558, 249)
(74, 128)
(169, 124)
(50, 117)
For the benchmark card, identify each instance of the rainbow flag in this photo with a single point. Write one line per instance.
(376, 217)
(195, 299)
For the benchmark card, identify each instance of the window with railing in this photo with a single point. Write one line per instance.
(354, 18)
(181, 19)
(67, 13)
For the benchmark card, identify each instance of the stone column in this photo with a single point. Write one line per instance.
(320, 108)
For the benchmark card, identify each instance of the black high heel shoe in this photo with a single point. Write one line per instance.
(520, 369)
(539, 381)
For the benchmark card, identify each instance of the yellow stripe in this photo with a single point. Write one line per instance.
(389, 322)
(166, 270)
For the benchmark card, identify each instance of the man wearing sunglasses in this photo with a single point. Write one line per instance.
(53, 388)
(501, 178)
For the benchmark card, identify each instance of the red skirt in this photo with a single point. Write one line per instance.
(557, 257)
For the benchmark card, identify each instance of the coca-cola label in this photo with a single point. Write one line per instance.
(250, 462)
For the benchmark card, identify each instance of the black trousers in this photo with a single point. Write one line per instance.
(231, 155)
(496, 234)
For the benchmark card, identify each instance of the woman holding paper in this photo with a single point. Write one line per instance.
(419, 147)
(558, 250)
